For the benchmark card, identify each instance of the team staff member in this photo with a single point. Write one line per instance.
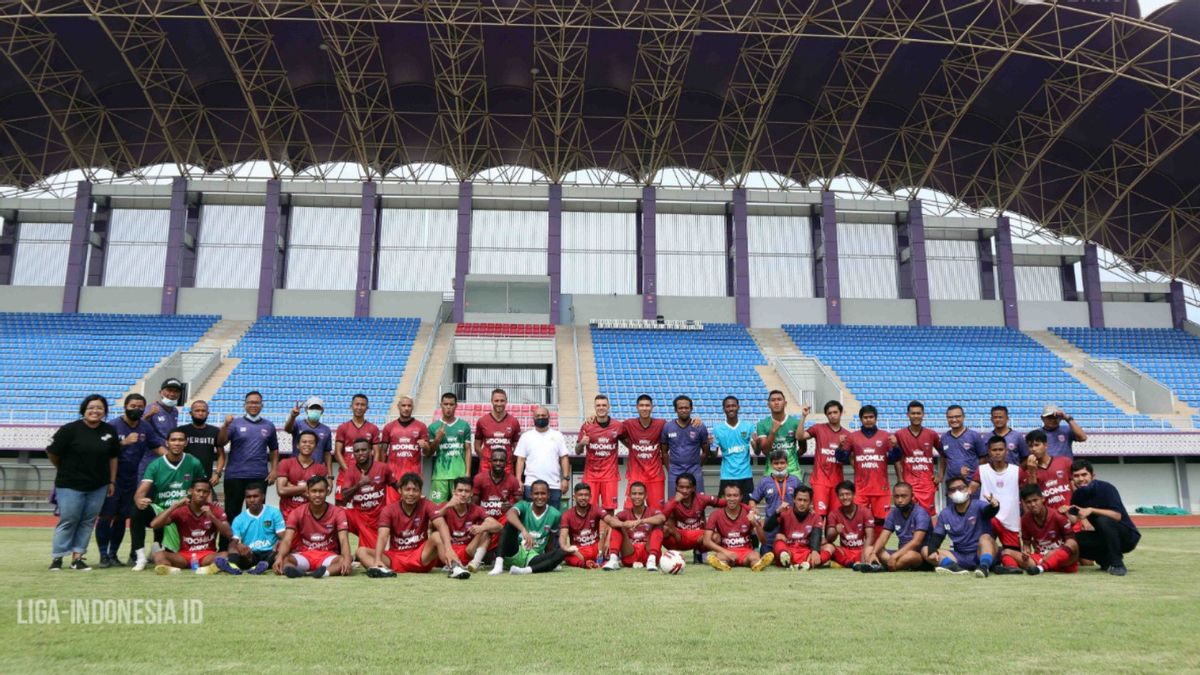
(542, 455)
(1060, 442)
(314, 408)
(1113, 533)
(253, 452)
(162, 416)
(84, 454)
(110, 527)
(202, 441)
(1013, 440)
(962, 448)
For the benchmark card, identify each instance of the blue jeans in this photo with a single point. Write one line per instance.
(77, 511)
(555, 497)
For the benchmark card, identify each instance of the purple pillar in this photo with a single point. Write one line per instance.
(1066, 272)
(462, 250)
(173, 273)
(1008, 275)
(832, 285)
(741, 257)
(1091, 286)
(270, 250)
(10, 234)
(554, 252)
(191, 243)
(649, 253)
(1178, 305)
(366, 248)
(987, 268)
(918, 265)
(81, 221)
(99, 250)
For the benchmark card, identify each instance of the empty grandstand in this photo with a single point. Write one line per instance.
(1170, 356)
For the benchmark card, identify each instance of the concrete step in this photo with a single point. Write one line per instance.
(215, 380)
(1076, 357)
(771, 381)
(404, 386)
(429, 394)
(564, 374)
(774, 343)
(221, 336)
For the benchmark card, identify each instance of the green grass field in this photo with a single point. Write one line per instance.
(572, 621)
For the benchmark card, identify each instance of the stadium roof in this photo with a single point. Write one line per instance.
(1080, 116)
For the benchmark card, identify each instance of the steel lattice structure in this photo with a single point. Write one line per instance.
(1080, 116)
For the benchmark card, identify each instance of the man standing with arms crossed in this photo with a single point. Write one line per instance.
(449, 438)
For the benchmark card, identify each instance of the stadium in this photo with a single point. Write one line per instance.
(313, 214)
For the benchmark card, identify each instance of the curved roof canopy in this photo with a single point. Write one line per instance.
(1080, 116)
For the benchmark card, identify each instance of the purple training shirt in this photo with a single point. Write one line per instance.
(250, 445)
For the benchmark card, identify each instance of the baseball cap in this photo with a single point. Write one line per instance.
(314, 402)
(1051, 410)
(172, 383)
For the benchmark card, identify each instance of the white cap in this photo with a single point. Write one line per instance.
(314, 402)
(1051, 410)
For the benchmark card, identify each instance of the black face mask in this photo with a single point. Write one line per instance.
(133, 414)
(199, 421)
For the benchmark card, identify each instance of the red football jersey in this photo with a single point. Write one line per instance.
(601, 451)
(493, 434)
(460, 524)
(691, 517)
(348, 432)
(917, 461)
(401, 445)
(317, 534)
(1054, 481)
(731, 532)
(583, 530)
(852, 530)
(296, 474)
(826, 469)
(197, 531)
(497, 498)
(370, 498)
(868, 456)
(1051, 534)
(645, 456)
(408, 530)
(798, 531)
(641, 532)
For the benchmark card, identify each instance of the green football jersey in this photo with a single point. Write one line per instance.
(785, 439)
(539, 526)
(451, 459)
(172, 481)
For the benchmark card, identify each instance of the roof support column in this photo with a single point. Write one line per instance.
(1091, 285)
(831, 285)
(173, 272)
(1178, 305)
(366, 247)
(554, 252)
(99, 241)
(10, 234)
(81, 221)
(1066, 273)
(462, 250)
(741, 257)
(987, 268)
(918, 266)
(1008, 275)
(648, 218)
(270, 250)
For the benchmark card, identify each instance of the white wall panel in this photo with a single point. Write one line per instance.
(322, 248)
(1039, 283)
(137, 247)
(599, 253)
(416, 251)
(509, 242)
(42, 252)
(953, 270)
(867, 261)
(230, 248)
(691, 258)
(781, 256)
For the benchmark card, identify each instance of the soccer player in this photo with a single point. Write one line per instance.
(776, 490)
(497, 429)
(920, 464)
(314, 408)
(198, 522)
(779, 431)
(528, 542)
(852, 527)
(728, 531)
(202, 442)
(827, 472)
(1051, 474)
(469, 529)
(643, 436)
(1112, 532)
(404, 544)
(497, 490)
(798, 545)
(449, 438)
(1017, 450)
(962, 447)
(405, 440)
(870, 450)
(542, 454)
(1049, 542)
(316, 543)
(110, 526)
(598, 441)
(168, 478)
(294, 473)
(162, 416)
(736, 440)
(911, 523)
(253, 452)
(684, 527)
(257, 532)
(584, 532)
(638, 537)
(1060, 442)
(1000, 481)
(684, 443)
(967, 523)
(353, 429)
(362, 491)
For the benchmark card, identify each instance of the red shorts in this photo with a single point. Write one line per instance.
(799, 553)
(924, 496)
(365, 526)
(200, 555)
(846, 556)
(585, 554)
(654, 491)
(604, 490)
(1043, 559)
(739, 555)
(641, 553)
(316, 558)
(410, 560)
(688, 540)
(460, 552)
(1006, 537)
(824, 497)
(878, 504)
(495, 540)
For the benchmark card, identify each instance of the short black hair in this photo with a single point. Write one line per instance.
(685, 476)
(93, 397)
(868, 410)
(410, 477)
(903, 484)
(450, 395)
(537, 483)
(134, 397)
(1081, 463)
(462, 480)
(1035, 436)
(177, 430)
(362, 396)
(682, 397)
(955, 407)
(955, 479)
(580, 487)
(997, 439)
(915, 404)
(252, 392)
(845, 485)
(318, 479)
(832, 404)
(778, 454)
(644, 397)
(362, 439)
(202, 479)
(805, 489)
(729, 398)
(308, 432)
(1000, 408)
(637, 483)
(1028, 490)
(775, 391)
(258, 485)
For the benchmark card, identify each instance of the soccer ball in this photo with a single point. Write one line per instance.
(670, 563)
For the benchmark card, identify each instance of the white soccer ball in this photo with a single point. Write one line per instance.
(670, 563)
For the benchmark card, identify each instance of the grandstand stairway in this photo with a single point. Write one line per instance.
(405, 386)
(223, 336)
(429, 392)
(590, 380)
(564, 374)
(774, 343)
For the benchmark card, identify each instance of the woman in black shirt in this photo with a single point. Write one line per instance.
(85, 454)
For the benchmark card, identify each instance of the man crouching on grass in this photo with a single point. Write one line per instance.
(199, 523)
(317, 541)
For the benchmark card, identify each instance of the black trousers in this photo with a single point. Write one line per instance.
(1108, 542)
(235, 499)
(510, 543)
(247, 561)
(140, 521)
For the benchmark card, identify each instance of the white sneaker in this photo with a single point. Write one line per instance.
(459, 572)
(639, 566)
(139, 564)
(356, 565)
(614, 563)
(785, 560)
(651, 563)
(804, 566)
(498, 569)
(520, 570)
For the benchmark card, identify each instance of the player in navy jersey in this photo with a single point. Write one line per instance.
(911, 524)
(967, 523)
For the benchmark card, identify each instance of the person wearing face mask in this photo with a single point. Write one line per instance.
(542, 454)
(253, 453)
(967, 523)
(202, 442)
(775, 491)
(161, 417)
(910, 521)
(110, 527)
(314, 408)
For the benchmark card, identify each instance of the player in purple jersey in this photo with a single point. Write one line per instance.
(1015, 440)
(962, 447)
(253, 453)
(1060, 439)
(967, 523)
(911, 524)
(110, 526)
(684, 444)
(162, 416)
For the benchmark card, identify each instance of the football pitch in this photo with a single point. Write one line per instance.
(627, 621)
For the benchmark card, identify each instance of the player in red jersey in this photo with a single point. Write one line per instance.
(404, 544)
(317, 541)
(497, 429)
(854, 530)
(355, 428)
(684, 529)
(798, 543)
(1047, 537)
(1051, 474)
(497, 491)
(870, 450)
(291, 483)
(920, 464)
(583, 534)
(362, 490)
(638, 536)
(599, 439)
(469, 528)
(728, 535)
(199, 522)
(643, 436)
(405, 442)
(827, 472)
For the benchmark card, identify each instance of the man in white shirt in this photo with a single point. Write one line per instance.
(1002, 480)
(542, 455)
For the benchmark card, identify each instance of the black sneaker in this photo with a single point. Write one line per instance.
(982, 571)
(1034, 571)
(105, 562)
(1118, 570)
(952, 568)
(380, 573)
(1005, 569)
(80, 566)
(132, 560)
(857, 567)
(874, 568)
(56, 565)
(293, 572)
(115, 561)
(318, 572)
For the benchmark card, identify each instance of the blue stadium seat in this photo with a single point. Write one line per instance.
(1170, 356)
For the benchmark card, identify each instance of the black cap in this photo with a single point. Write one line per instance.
(172, 383)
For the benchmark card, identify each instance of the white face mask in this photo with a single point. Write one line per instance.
(253, 418)
(169, 402)
(779, 474)
(959, 497)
